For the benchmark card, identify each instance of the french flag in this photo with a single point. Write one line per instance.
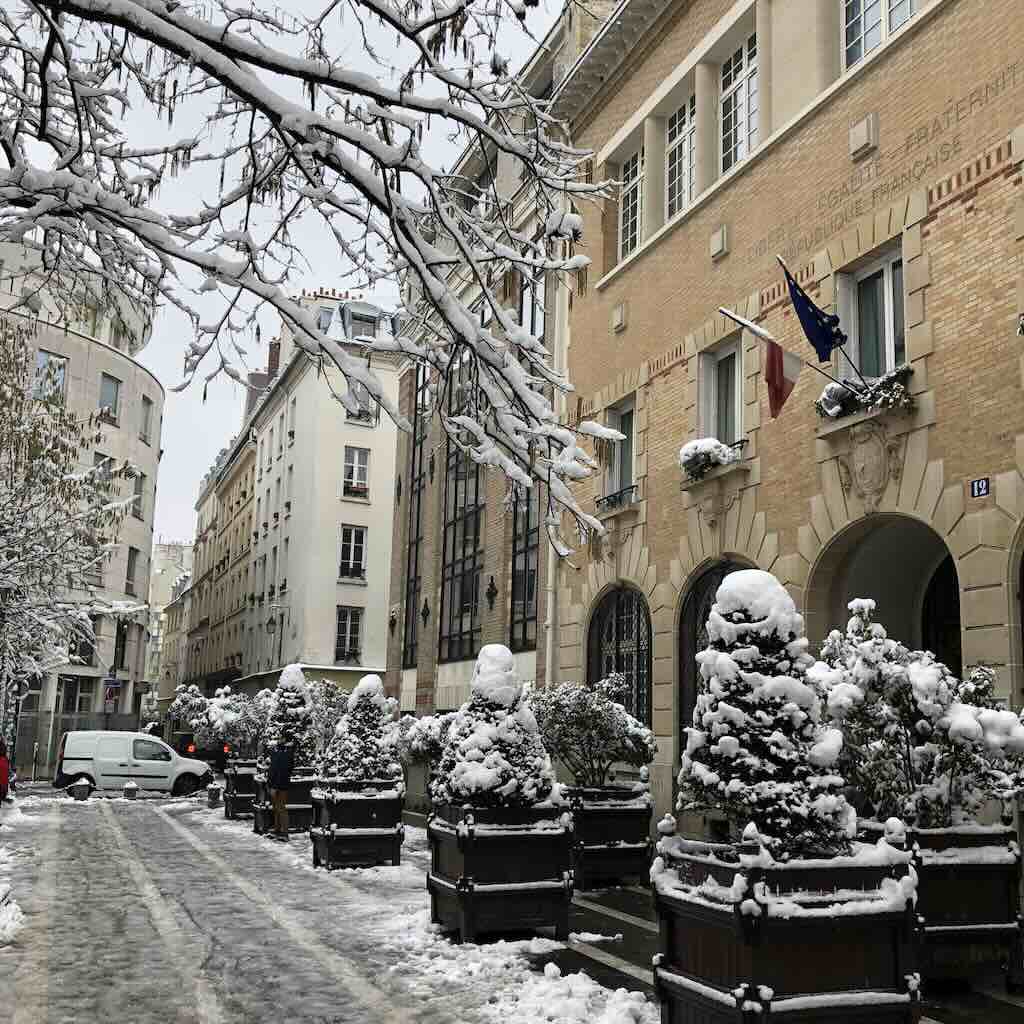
(781, 367)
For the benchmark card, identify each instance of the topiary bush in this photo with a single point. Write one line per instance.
(361, 748)
(290, 716)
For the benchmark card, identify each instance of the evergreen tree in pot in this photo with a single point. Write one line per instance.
(589, 731)
(500, 831)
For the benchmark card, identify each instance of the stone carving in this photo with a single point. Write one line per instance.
(873, 460)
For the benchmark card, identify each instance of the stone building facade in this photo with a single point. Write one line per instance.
(881, 155)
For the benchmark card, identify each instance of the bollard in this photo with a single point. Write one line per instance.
(131, 790)
(213, 792)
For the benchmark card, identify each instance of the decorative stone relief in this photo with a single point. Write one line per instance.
(873, 460)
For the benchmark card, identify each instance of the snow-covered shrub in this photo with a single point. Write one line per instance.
(290, 716)
(423, 738)
(889, 391)
(588, 729)
(361, 748)
(189, 707)
(698, 458)
(493, 755)
(758, 749)
(329, 702)
(919, 743)
(232, 718)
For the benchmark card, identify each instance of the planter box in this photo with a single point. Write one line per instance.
(969, 895)
(300, 803)
(500, 870)
(239, 788)
(819, 942)
(612, 842)
(357, 824)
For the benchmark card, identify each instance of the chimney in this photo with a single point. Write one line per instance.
(274, 358)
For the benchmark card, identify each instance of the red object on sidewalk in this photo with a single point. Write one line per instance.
(5, 775)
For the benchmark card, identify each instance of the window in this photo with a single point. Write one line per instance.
(259, 463)
(739, 104)
(120, 645)
(356, 480)
(679, 158)
(51, 374)
(363, 326)
(868, 22)
(129, 579)
(139, 497)
(270, 448)
(30, 702)
(149, 750)
(368, 410)
(531, 305)
(417, 482)
(77, 698)
(619, 640)
(280, 435)
(631, 203)
(324, 318)
(105, 465)
(146, 423)
(352, 561)
(292, 410)
(873, 301)
(720, 384)
(110, 397)
(348, 633)
(525, 538)
(620, 465)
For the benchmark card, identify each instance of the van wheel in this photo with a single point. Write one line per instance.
(185, 785)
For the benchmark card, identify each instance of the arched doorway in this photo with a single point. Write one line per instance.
(906, 568)
(693, 636)
(619, 640)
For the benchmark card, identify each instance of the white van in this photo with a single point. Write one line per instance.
(108, 760)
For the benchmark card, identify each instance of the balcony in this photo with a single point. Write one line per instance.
(616, 500)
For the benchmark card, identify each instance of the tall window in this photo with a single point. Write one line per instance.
(121, 645)
(352, 560)
(356, 480)
(51, 374)
(417, 474)
(679, 158)
(139, 495)
(292, 412)
(78, 695)
(146, 420)
(368, 408)
(110, 396)
(324, 318)
(363, 326)
(876, 321)
(720, 384)
(631, 203)
(619, 640)
(739, 104)
(525, 544)
(348, 634)
(129, 577)
(620, 466)
(462, 565)
(868, 22)
(270, 449)
(531, 305)
(280, 435)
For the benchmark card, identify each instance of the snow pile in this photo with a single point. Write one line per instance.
(698, 458)
(589, 730)
(360, 750)
(567, 226)
(758, 749)
(887, 392)
(493, 754)
(290, 716)
(12, 919)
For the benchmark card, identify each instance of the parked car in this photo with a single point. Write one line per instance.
(216, 756)
(107, 760)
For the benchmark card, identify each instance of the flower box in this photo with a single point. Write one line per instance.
(745, 938)
(500, 869)
(239, 788)
(357, 823)
(612, 840)
(300, 802)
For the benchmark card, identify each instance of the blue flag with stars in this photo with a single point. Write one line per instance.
(821, 328)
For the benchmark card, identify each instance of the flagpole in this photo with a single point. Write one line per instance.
(853, 366)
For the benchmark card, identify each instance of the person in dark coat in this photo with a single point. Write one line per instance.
(280, 776)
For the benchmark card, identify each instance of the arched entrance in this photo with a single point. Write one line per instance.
(906, 568)
(693, 635)
(619, 640)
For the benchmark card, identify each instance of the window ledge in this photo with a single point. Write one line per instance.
(354, 500)
(352, 581)
(830, 427)
(741, 469)
(625, 513)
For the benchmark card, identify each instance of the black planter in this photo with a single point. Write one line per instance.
(300, 803)
(612, 841)
(500, 870)
(726, 955)
(357, 824)
(239, 788)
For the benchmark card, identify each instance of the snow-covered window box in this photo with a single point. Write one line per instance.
(888, 392)
(700, 457)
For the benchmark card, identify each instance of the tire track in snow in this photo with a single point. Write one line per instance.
(175, 938)
(339, 967)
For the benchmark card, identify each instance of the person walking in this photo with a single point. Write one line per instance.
(5, 772)
(280, 776)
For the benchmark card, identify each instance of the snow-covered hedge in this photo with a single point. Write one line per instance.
(423, 739)
(493, 754)
(759, 749)
(920, 744)
(698, 458)
(328, 702)
(886, 392)
(360, 749)
(290, 716)
(588, 729)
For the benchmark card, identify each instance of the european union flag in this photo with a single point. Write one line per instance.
(821, 328)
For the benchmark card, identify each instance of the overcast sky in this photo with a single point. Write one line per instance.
(194, 430)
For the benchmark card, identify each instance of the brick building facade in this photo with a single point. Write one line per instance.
(878, 148)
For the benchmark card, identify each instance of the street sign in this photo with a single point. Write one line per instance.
(981, 487)
(111, 693)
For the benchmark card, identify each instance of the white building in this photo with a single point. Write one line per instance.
(95, 352)
(171, 559)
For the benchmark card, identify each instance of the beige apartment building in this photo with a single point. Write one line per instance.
(878, 147)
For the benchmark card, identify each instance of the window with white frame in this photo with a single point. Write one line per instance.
(368, 412)
(631, 203)
(129, 576)
(620, 466)
(721, 382)
(739, 104)
(871, 312)
(146, 420)
(867, 22)
(679, 157)
(51, 374)
(348, 633)
(138, 495)
(352, 559)
(110, 397)
(325, 314)
(356, 482)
